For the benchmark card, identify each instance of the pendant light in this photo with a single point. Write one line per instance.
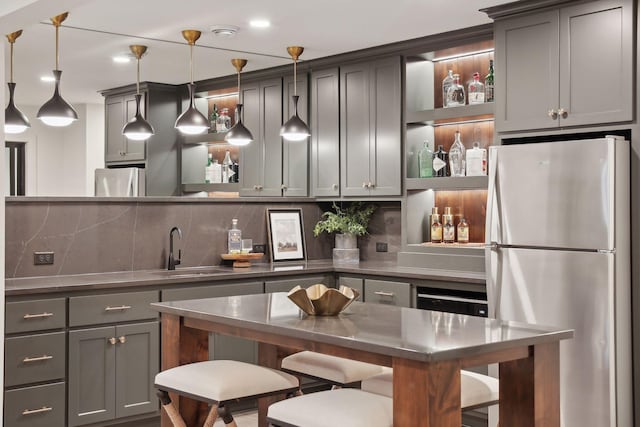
(138, 129)
(238, 134)
(295, 129)
(191, 122)
(14, 120)
(57, 111)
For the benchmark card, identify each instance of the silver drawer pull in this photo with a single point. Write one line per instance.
(122, 339)
(112, 341)
(36, 359)
(37, 411)
(37, 316)
(118, 308)
(385, 294)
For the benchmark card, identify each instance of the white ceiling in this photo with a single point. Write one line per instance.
(98, 29)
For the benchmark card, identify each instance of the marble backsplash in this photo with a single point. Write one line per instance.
(101, 236)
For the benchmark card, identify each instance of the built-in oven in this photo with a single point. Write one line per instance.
(458, 301)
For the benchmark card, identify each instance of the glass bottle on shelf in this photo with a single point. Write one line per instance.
(456, 157)
(440, 162)
(214, 117)
(208, 170)
(216, 177)
(436, 229)
(448, 229)
(224, 121)
(227, 172)
(446, 83)
(488, 84)
(234, 240)
(235, 168)
(463, 231)
(425, 161)
(476, 90)
(455, 93)
(476, 160)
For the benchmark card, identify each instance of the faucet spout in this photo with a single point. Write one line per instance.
(172, 262)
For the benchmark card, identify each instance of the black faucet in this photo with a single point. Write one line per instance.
(171, 264)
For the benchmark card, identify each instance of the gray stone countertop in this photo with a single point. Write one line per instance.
(378, 328)
(130, 279)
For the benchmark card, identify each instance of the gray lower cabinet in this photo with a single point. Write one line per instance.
(355, 283)
(387, 292)
(370, 128)
(221, 346)
(295, 154)
(546, 63)
(111, 372)
(285, 285)
(325, 133)
(36, 406)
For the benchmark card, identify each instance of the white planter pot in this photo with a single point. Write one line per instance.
(346, 249)
(346, 241)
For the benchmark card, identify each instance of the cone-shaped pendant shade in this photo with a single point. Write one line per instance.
(192, 121)
(56, 111)
(138, 129)
(239, 134)
(14, 120)
(295, 129)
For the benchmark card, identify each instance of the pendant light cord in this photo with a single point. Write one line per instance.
(295, 79)
(191, 61)
(138, 76)
(57, 37)
(11, 68)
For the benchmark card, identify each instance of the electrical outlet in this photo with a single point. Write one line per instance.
(381, 247)
(260, 248)
(42, 258)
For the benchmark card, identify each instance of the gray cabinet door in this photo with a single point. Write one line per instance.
(355, 283)
(596, 62)
(114, 121)
(325, 133)
(137, 363)
(92, 379)
(251, 154)
(295, 154)
(527, 63)
(285, 285)
(355, 128)
(387, 292)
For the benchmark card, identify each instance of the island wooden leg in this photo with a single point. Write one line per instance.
(530, 389)
(426, 395)
(269, 356)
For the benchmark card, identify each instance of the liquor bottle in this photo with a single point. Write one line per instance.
(456, 156)
(455, 93)
(214, 117)
(436, 229)
(448, 229)
(425, 161)
(476, 90)
(463, 231)
(223, 123)
(445, 87)
(488, 84)
(226, 168)
(440, 162)
(234, 242)
(208, 170)
(235, 167)
(476, 160)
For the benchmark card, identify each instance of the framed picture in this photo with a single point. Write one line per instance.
(286, 235)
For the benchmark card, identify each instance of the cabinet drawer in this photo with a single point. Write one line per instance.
(97, 309)
(37, 315)
(287, 284)
(355, 283)
(34, 358)
(39, 406)
(212, 291)
(385, 292)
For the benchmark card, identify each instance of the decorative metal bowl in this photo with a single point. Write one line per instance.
(318, 300)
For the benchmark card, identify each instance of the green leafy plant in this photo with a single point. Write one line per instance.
(353, 219)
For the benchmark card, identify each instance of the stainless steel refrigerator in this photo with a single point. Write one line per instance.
(557, 253)
(119, 182)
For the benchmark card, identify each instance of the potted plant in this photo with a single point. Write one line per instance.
(348, 223)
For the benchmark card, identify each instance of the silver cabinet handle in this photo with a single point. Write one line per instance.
(371, 185)
(255, 187)
(364, 185)
(37, 316)
(118, 308)
(283, 187)
(37, 411)
(334, 186)
(553, 114)
(385, 294)
(563, 113)
(122, 339)
(36, 359)
(112, 341)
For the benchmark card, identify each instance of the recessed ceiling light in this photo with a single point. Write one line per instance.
(48, 79)
(121, 59)
(260, 23)
(224, 31)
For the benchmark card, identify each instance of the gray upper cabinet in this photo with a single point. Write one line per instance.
(118, 110)
(325, 133)
(550, 67)
(370, 128)
(261, 160)
(295, 154)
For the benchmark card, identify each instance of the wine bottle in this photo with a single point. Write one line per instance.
(488, 84)
(440, 162)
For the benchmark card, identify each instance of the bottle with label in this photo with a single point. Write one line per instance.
(455, 93)
(425, 161)
(457, 157)
(476, 160)
(226, 168)
(448, 229)
(217, 172)
(488, 84)
(446, 83)
(436, 229)
(208, 170)
(214, 117)
(223, 123)
(476, 90)
(234, 242)
(463, 231)
(440, 162)
(235, 177)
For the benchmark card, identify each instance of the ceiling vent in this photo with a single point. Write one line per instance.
(224, 31)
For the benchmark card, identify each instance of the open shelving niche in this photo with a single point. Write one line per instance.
(196, 148)
(426, 119)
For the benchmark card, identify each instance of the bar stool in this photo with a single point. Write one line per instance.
(476, 390)
(219, 382)
(341, 407)
(334, 370)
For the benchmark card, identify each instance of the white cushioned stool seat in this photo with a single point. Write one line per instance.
(223, 380)
(342, 407)
(332, 368)
(475, 389)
